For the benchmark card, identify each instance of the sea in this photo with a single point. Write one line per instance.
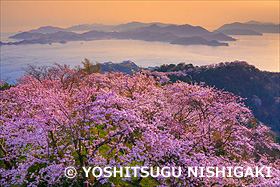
(260, 51)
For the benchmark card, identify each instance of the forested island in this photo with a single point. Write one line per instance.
(174, 34)
(249, 28)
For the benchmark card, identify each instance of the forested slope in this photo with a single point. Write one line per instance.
(261, 88)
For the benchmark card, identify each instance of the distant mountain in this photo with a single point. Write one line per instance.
(151, 33)
(252, 25)
(196, 40)
(63, 35)
(240, 32)
(155, 31)
(179, 30)
(259, 23)
(134, 25)
(119, 28)
(95, 35)
(186, 30)
(142, 35)
(146, 36)
(39, 38)
(89, 27)
(46, 29)
(153, 28)
(27, 35)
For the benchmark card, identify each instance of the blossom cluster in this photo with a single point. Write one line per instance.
(117, 120)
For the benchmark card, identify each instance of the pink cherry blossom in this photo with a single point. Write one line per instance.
(67, 118)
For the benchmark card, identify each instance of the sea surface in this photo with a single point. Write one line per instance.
(260, 51)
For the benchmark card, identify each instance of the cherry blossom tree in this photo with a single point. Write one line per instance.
(71, 118)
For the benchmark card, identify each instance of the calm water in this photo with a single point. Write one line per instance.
(261, 51)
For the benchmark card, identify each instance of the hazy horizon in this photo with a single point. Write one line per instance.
(261, 51)
(28, 28)
(26, 15)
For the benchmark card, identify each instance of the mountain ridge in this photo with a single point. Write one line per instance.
(252, 25)
(191, 35)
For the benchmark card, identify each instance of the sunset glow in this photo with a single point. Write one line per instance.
(209, 14)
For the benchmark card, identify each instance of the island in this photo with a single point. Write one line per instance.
(160, 32)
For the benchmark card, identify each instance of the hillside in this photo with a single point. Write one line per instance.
(261, 88)
(81, 118)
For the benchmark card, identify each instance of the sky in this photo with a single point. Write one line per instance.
(23, 15)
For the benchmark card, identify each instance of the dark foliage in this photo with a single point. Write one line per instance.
(260, 88)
